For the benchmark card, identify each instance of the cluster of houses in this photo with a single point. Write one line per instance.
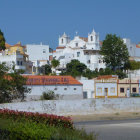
(31, 57)
(67, 87)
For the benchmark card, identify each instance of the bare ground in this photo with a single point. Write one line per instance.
(115, 116)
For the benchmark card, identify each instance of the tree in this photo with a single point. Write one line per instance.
(46, 69)
(75, 68)
(114, 51)
(2, 41)
(55, 63)
(12, 84)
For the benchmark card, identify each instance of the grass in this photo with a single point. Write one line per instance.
(4, 123)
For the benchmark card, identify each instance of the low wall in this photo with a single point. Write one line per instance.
(78, 107)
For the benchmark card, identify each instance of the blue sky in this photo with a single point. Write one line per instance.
(35, 21)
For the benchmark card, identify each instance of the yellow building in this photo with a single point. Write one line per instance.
(17, 47)
(125, 85)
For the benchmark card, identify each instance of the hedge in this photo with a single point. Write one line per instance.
(47, 119)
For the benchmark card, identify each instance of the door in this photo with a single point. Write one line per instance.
(105, 92)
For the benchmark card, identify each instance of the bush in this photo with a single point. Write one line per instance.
(52, 120)
(36, 131)
(49, 95)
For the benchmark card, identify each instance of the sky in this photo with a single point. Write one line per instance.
(35, 21)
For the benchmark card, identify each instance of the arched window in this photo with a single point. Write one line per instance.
(62, 41)
(91, 38)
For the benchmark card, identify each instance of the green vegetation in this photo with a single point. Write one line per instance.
(49, 95)
(55, 63)
(17, 125)
(11, 84)
(2, 41)
(115, 52)
(45, 69)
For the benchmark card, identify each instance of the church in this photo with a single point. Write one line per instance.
(84, 49)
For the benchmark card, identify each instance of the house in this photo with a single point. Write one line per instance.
(106, 86)
(39, 54)
(88, 88)
(65, 86)
(125, 85)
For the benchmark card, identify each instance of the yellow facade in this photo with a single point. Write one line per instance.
(125, 84)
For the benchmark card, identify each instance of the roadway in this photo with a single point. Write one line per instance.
(112, 129)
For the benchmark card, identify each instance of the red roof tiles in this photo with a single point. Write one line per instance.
(51, 80)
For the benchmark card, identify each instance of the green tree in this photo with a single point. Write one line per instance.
(2, 41)
(114, 51)
(12, 84)
(46, 69)
(55, 63)
(75, 68)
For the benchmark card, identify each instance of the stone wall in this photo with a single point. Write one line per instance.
(78, 107)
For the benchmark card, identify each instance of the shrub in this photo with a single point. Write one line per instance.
(47, 119)
(36, 131)
(49, 95)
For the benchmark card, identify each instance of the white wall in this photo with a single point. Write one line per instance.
(106, 85)
(78, 107)
(65, 91)
(88, 87)
(35, 52)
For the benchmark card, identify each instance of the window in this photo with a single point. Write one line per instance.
(65, 88)
(18, 63)
(78, 54)
(134, 90)
(122, 90)
(62, 41)
(74, 88)
(21, 63)
(100, 61)
(55, 89)
(112, 90)
(91, 38)
(99, 90)
(76, 44)
(44, 51)
(88, 61)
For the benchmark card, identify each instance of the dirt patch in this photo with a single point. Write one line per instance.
(115, 116)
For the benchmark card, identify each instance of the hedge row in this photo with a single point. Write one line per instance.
(17, 130)
(52, 120)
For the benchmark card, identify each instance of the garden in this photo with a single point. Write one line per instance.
(19, 125)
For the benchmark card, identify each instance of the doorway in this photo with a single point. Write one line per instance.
(105, 92)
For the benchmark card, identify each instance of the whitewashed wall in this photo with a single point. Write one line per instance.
(106, 85)
(65, 91)
(78, 107)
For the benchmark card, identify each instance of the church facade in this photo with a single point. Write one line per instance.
(84, 49)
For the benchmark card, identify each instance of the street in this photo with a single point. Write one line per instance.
(112, 129)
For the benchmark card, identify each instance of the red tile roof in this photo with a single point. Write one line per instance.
(7, 45)
(84, 38)
(107, 77)
(51, 80)
(138, 46)
(59, 47)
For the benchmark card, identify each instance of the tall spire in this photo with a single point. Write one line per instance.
(93, 31)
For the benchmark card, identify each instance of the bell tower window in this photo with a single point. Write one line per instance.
(91, 38)
(62, 41)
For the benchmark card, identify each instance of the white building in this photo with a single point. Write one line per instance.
(88, 88)
(86, 50)
(106, 86)
(38, 54)
(16, 59)
(65, 86)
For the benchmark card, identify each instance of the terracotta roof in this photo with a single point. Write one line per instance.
(51, 80)
(84, 38)
(60, 47)
(138, 46)
(107, 77)
(7, 45)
